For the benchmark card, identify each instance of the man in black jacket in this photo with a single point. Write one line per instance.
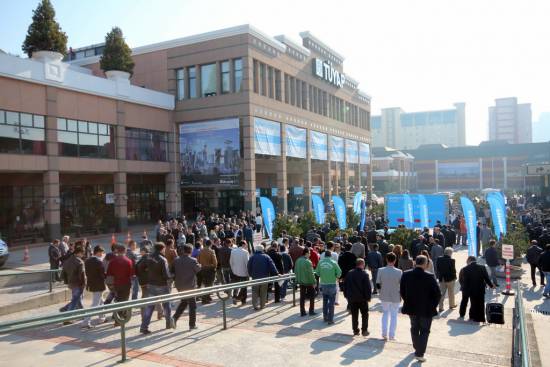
(95, 274)
(473, 280)
(533, 257)
(545, 266)
(273, 253)
(358, 293)
(54, 254)
(346, 262)
(421, 295)
(158, 275)
(491, 259)
(374, 262)
(446, 274)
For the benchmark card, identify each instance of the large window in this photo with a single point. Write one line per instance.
(180, 84)
(225, 77)
(146, 203)
(85, 139)
(85, 206)
(21, 210)
(146, 145)
(192, 82)
(208, 80)
(22, 133)
(238, 73)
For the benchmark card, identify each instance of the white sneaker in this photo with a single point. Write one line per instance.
(420, 359)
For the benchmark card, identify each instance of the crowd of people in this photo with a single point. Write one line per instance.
(216, 249)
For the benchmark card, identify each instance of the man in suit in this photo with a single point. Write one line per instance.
(446, 274)
(473, 280)
(95, 273)
(185, 269)
(358, 294)
(421, 295)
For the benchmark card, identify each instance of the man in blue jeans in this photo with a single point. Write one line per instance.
(328, 272)
(75, 276)
(158, 274)
(421, 294)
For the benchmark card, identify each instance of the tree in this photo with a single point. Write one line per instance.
(44, 33)
(116, 54)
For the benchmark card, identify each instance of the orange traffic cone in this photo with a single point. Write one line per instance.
(113, 239)
(26, 256)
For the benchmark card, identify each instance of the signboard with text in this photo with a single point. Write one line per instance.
(508, 252)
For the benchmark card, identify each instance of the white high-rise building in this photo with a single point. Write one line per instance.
(408, 130)
(510, 121)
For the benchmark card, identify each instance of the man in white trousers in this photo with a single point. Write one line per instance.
(388, 282)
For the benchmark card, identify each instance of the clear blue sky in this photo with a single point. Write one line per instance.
(419, 55)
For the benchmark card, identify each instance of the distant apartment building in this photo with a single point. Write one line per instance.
(510, 121)
(392, 171)
(408, 130)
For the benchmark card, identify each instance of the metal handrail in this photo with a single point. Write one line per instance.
(521, 331)
(122, 319)
(50, 272)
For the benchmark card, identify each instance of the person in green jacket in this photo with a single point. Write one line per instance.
(305, 278)
(328, 272)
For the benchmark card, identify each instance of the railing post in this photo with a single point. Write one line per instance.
(224, 314)
(122, 320)
(294, 285)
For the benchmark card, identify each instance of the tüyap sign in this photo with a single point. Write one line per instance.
(326, 72)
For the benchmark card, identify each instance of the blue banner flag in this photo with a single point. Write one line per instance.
(363, 215)
(408, 211)
(340, 210)
(268, 214)
(357, 202)
(423, 209)
(498, 214)
(318, 209)
(471, 224)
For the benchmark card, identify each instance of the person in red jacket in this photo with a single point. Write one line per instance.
(121, 271)
(314, 257)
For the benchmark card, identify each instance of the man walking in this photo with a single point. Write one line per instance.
(260, 266)
(358, 293)
(328, 272)
(473, 280)
(54, 255)
(491, 259)
(95, 274)
(533, 258)
(388, 282)
(277, 259)
(185, 269)
(73, 270)
(375, 262)
(121, 270)
(158, 273)
(239, 269)
(305, 278)
(421, 295)
(545, 266)
(209, 262)
(446, 274)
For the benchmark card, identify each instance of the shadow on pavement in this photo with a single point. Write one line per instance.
(362, 351)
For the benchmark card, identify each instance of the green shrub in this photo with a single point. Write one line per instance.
(116, 54)
(285, 223)
(44, 33)
(307, 221)
(403, 237)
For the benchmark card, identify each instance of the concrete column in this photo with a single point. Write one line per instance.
(52, 201)
(282, 184)
(172, 179)
(249, 163)
(119, 178)
(307, 177)
(327, 182)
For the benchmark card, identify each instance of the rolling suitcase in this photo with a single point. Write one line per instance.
(495, 313)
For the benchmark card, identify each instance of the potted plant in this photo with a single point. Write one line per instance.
(45, 41)
(116, 60)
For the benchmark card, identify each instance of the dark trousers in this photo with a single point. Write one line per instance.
(277, 292)
(56, 276)
(205, 278)
(307, 291)
(239, 294)
(477, 307)
(420, 331)
(122, 292)
(192, 310)
(533, 273)
(363, 307)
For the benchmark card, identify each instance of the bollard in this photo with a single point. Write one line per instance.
(224, 314)
(508, 291)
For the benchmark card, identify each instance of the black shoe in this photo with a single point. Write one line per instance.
(145, 332)
(365, 333)
(303, 314)
(330, 322)
(193, 327)
(235, 301)
(355, 333)
(312, 313)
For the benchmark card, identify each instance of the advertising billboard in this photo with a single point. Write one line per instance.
(458, 169)
(267, 137)
(438, 209)
(210, 152)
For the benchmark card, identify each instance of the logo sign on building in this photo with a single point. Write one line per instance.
(325, 71)
(508, 252)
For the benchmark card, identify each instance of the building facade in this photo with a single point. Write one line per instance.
(496, 165)
(209, 122)
(510, 121)
(401, 130)
(392, 171)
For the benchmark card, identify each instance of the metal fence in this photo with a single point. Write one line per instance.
(32, 276)
(520, 343)
(122, 311)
